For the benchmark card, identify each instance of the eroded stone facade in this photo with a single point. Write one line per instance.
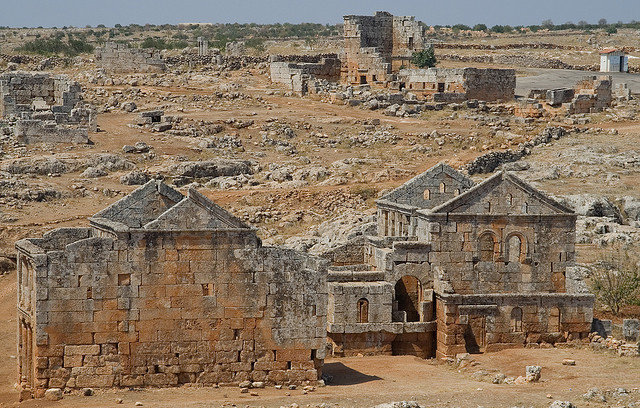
(297, 76)
(459, 267)
(163, 290)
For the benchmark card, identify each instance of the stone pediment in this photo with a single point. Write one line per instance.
(502, 194)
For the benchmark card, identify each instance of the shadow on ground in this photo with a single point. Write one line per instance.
(343, 375)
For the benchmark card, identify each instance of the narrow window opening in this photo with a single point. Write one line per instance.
(427, 194)
(516, 320)
(313, 354)
(486, 247)
(124, 279)
(313, 310)
(363, 311)
(207, 289)
(288, 365)
(239, 356)
(443, 188)
(89, 293)
(236, 334)
(79, 279)
(515, 249)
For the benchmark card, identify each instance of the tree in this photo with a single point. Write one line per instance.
(547, 23)
(602, 21)
(480, 27)
(615, 279)
(611, 29)
(582, 23)
(424, 59)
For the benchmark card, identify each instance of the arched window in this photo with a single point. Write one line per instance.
(515, 249)
(443, 188)
(427, 194)
(525, 208)
(363, 311)
(509, 199)
(456, 192)
(487, 246)
(516, 320)
(554, 320)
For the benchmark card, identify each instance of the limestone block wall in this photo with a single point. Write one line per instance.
(296, 75)
(19, 90)
(164, 308)
(38, 131)
(120, 58)
(479, 323)
(501, 254)
(456, 84)
(592, 95)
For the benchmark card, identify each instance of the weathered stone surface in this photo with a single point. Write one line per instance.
(631, 330)
(164, 290)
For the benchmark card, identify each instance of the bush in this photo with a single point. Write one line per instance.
(55, 46)
(424, 59)
(615, 279)
(611, 29)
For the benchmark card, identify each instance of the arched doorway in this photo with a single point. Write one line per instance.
(408, 291)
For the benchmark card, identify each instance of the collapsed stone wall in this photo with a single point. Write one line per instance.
(120, 58)
(592, 94)
(48, 108)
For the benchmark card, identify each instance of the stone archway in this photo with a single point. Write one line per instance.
(408, 294)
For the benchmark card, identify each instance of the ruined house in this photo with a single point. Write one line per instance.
(45, 108)
(163, 290)
(377, 46)
(459, 84)
(117, 57)
(458, 267)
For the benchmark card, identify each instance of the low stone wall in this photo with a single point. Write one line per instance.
(120, 58)
(38, 131)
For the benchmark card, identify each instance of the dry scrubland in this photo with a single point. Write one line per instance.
(311, 161)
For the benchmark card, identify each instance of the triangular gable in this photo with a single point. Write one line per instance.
(502, 193)
(412, 192)
(195, 213)
(142, 205)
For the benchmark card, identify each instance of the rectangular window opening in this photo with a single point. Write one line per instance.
(124, 279)
(207, 289)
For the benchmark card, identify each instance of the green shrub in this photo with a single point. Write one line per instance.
(424, 59)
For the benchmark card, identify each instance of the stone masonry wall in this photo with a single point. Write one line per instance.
(168, 308)
(442, 84)
(486, 323)
(296, 76)
(120, 58)
(19, 90)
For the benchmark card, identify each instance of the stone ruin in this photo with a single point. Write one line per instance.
(459, 84)
(376, 50)
(163, 290)
(375, 46)
(297, 76)
(117, 57)
(45, 108)
(459, 267)
(592, 94)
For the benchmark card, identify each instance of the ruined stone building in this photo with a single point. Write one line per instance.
(377, 50)
(591, 94)
(45, 107)
(297, 76)
(459, 84)
(376, 46)
(117, 57)
(458, 267)
(162, 290)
